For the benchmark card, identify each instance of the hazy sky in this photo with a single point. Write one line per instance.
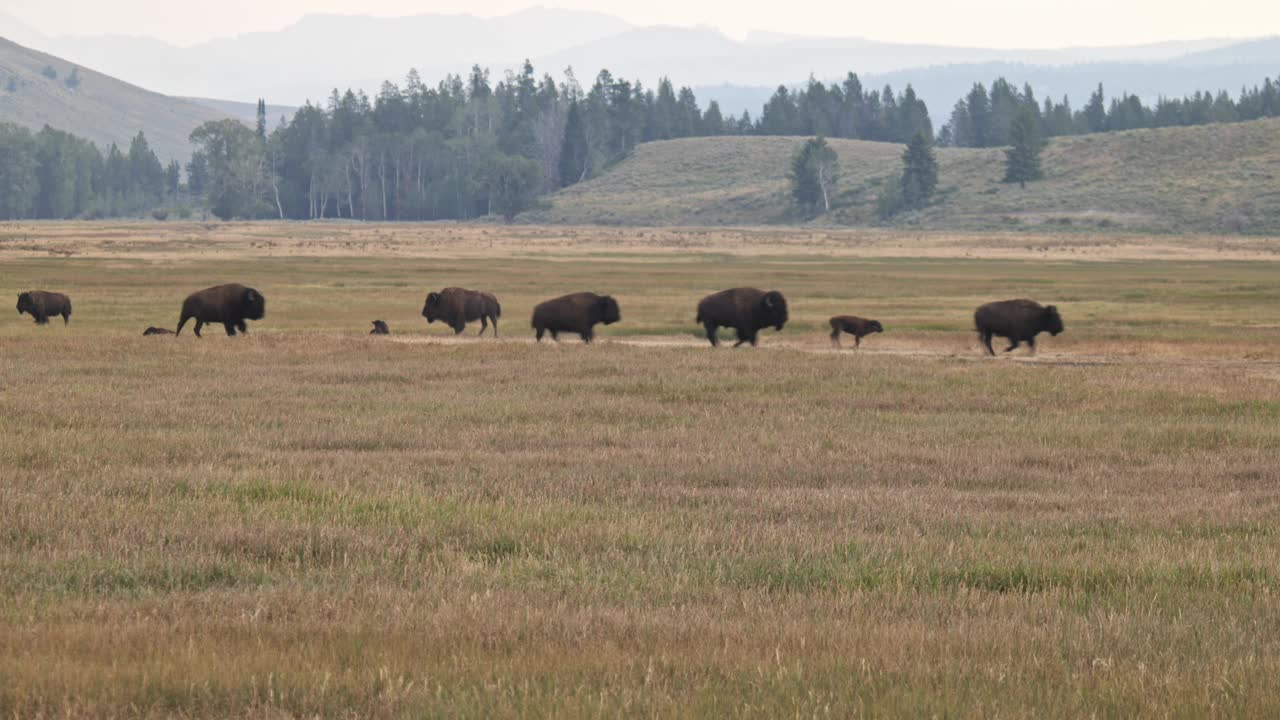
(990, 23)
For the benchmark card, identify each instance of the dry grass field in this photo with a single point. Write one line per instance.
(313, 522)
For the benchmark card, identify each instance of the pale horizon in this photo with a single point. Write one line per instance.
(934, 22)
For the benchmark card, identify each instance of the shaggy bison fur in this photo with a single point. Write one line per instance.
(228, 305)
(746, 310)
(153, 330)
(1018, 320)
(579, 313)
(855, 326)
(380, 328)
(43, 305)
(457, 306)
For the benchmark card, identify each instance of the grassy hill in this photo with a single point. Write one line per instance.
(100, 108)
(1215, 178)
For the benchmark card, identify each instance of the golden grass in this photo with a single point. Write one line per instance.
(309, 521)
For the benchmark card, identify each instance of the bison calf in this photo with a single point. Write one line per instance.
(1017, 320)
(746, 310)
(578, 313)
(43, 305)
(380, 328)
(229, 305)
(153, 330)
(855, 326)
(457, 306)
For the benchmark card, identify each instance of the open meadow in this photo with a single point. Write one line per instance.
(310, 521)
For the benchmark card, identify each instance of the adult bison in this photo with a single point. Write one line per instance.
(855, 326)
(457, 306)
(229, 305)
(43, 305)
(746, 310)
(1018, 320)
(579, 313)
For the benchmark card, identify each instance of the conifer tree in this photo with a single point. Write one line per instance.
(1022, 161)
(919, 172)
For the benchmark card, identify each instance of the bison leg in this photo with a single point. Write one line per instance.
(835, 337)
(484, 325)
(1032, 344)
(986, 341)
(587, 335)
(231, 328)
(199, 324)
(712, 335)
(494, 320)
(1013, 345)
(555, 335)
(66, 317)
(857, 341)
(242, 327)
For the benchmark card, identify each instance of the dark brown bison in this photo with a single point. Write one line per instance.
(855, 326)
(229, 305)
(456, 307)
(43, 305)
(746, 310)
(1018, 320)
(380, 328)
(579, 313)
(153, 330)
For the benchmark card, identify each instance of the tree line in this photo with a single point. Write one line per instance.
(985, 118)
(469, 146)
(52, 174)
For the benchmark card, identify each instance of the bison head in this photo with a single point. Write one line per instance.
(1052, 321)
(773, 310)
(431, 310)
(874, 326)
(608, 308)
(25, 305)
(252, 305)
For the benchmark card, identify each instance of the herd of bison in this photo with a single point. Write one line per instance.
(746, 310)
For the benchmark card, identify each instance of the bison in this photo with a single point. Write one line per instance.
(153, 330)
(579, 312)
(43, 305)
(229, 305)
(1017, 320)
(457, 306)
(855, 326)
(746, 310)
(380, 328)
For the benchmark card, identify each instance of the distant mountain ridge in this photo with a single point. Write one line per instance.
(307, 59)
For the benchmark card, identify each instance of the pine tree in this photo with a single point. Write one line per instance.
(575, 153)
(1022, 161)
(919, 172)
(814, 171)
(262, 119)
(1095, 113)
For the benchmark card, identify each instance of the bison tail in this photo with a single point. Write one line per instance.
(182, 321)
(497, 309)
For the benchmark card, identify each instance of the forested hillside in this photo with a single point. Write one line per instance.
(1212, 178)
